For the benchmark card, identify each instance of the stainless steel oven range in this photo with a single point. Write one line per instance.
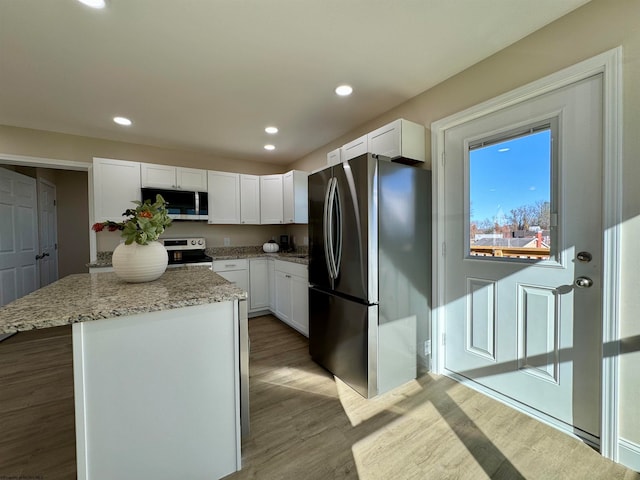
(184, 251)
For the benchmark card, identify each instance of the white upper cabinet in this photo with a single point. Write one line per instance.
(192, 179)
(400, 138)
(355, 148)
(158, 176)
(116, 183)
(334, 157)
(249, 199)
(173, 178)
(271, 199)
(295, 197)
(224, 197)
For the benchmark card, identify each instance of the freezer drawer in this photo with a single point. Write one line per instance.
(342, 338)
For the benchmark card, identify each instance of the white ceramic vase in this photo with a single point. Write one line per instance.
(140, 263)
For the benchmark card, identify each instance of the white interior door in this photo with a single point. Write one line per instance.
(18, 236)
(517, 323)
(48, 232)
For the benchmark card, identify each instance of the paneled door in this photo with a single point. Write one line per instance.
(48, 232)
(18, 236)
(523, 261)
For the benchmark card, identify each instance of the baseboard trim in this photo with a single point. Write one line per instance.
(629, 454)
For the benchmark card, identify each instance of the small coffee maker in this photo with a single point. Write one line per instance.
(284, 243)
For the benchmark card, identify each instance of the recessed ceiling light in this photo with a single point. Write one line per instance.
(344, 90)
(271, 130)
(94, 3)
(269, 147)
(122, 121)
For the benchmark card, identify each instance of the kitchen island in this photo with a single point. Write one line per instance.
(156, 370)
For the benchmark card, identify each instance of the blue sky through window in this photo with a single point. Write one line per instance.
(509, 174)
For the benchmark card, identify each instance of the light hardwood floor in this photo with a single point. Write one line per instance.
(37, 427)
(305, 424)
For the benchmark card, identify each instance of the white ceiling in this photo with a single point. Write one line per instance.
(209, 75)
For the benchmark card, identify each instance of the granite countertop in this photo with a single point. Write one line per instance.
(286, 256)
(301, 255)
(94, 296)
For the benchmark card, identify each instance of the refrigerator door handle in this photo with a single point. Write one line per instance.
(338, 247)
(326, 226)
(331, 257)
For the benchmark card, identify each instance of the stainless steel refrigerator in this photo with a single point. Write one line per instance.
(369, 270)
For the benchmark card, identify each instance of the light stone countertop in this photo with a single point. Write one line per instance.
(226, 253)
(94, 296)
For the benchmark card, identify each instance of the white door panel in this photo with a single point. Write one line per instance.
(18, 236)
(48, 232)
(520, 326)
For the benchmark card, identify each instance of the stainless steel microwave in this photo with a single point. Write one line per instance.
(181, 204)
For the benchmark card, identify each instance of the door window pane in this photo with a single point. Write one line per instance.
(510, 196)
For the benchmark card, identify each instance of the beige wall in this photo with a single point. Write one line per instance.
(58, 146)
(596, 27)
(37, 143)
(238, 235)
(73, 218)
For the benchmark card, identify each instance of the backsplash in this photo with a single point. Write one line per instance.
(104, 257)
(215, 235)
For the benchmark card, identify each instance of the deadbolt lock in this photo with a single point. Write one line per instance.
(584, 257)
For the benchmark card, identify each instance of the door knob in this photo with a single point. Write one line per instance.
(583, 282)
(584, 257)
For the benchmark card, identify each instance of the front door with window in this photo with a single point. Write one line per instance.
(523, 262)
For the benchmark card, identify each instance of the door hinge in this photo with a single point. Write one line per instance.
(444, 249)
(444, 339)
(55, 202)
(442, 159)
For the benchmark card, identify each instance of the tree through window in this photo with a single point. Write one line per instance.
(511, 195)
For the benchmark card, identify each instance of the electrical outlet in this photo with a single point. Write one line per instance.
(227, 241)
(427, 347)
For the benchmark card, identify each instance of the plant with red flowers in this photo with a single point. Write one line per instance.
(145, 224)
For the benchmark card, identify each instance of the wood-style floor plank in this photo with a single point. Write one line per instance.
(305, 425)
(36, 406)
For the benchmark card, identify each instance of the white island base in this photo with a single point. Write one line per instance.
(157, 395)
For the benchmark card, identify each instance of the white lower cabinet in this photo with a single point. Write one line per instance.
(236, 271)
(271, 276)
(283, 297)
(276, 285)
(259, 299)
(299, 289)
(291, 295)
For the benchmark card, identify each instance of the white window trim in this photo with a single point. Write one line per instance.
(610, 65)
